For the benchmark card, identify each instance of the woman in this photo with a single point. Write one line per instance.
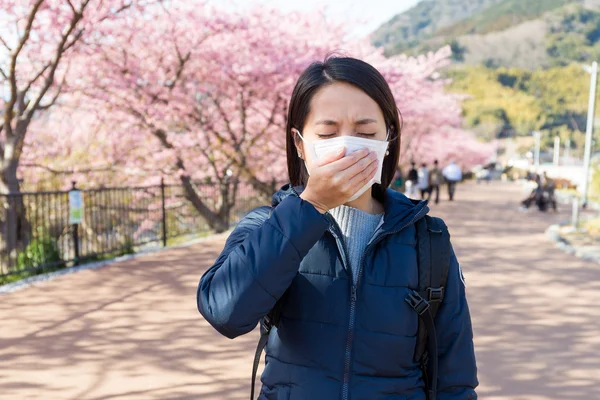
(337, 254)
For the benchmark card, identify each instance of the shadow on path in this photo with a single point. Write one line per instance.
(131, 330)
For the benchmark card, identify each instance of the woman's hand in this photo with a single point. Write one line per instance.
(335, 179)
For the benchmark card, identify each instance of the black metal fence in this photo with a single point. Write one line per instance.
(37, 233)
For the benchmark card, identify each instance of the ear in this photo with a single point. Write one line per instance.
(299, 143)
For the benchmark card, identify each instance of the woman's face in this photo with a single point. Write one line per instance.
(340, 109)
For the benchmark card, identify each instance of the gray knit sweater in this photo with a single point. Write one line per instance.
(358, 228)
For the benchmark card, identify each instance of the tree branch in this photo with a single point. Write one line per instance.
(68, 172)
(12, 72)
(5, 44)
(31, 82)
(269, 123)
(60, 49)
(71, 6)
(223, 115)
(180, 66)
(56, 95)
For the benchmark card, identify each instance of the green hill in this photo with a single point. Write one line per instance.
(518, 60)
(528, 34)
(501, 16)
(407, 30)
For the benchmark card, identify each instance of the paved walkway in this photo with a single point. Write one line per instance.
(131, 330)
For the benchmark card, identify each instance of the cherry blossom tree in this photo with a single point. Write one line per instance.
(196, 94)
(37, 38)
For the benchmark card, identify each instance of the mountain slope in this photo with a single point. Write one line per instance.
(501, 16)
(405, 30)
(476, 28)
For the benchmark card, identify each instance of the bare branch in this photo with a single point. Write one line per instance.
(31, 82)
(75, 39)
(1, 145)
(5, 44)
(71, 6)
(223, 115)
(3, 73)
(60, 49)
(183, 59)
(269, 123)
(109, 167)
(12, 72)
(43, 107)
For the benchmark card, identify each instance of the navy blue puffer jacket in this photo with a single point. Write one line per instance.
(335, 340)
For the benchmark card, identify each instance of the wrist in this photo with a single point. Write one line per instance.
(320, 208)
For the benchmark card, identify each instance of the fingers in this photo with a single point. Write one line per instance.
(346, 162)
(363, 177)
(360, 166)
(332, 157)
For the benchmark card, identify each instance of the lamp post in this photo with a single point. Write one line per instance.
(593, 71)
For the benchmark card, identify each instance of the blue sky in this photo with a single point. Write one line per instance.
(374, 12)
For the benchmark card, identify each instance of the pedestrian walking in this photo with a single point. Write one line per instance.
(412, 181)
(423, 182)
(453, 175)
(332, 269)
(436, 180)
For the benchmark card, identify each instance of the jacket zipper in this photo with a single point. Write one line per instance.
(353, 297)
(353, 288)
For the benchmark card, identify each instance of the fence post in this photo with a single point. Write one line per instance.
(75, 231)
(164, 212)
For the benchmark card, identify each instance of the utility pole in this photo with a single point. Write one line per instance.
(538, 138)
(589, 131)
(556, 151)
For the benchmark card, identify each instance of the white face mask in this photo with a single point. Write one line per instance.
(320, 148)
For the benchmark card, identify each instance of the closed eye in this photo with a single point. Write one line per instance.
(330, 135)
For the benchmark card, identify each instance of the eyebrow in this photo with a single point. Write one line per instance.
(329, 122)
(366, 121)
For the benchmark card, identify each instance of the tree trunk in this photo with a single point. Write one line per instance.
(15, 229)
(216, 222)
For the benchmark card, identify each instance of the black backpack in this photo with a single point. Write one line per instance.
(433, 257)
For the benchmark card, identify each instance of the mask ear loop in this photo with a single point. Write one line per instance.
(301, 137)
(387, 136)
(299, 134)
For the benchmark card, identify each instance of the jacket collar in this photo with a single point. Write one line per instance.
(399, 210)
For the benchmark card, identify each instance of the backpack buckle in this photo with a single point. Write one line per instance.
(265, 324)
(418, 303)
(435, 294)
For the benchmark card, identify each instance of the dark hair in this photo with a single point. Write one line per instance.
(364, 77)
(436, 162)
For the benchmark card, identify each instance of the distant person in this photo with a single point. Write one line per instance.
(542, 195)
(549, 187)
(436, 179)
(423, 182)
(398, 181)
(411, 181)
(536, 193)
(453, 175)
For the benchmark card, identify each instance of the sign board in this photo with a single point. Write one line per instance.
(75, 207)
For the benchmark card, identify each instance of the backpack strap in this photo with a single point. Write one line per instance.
(433, 256)
(266, 324)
